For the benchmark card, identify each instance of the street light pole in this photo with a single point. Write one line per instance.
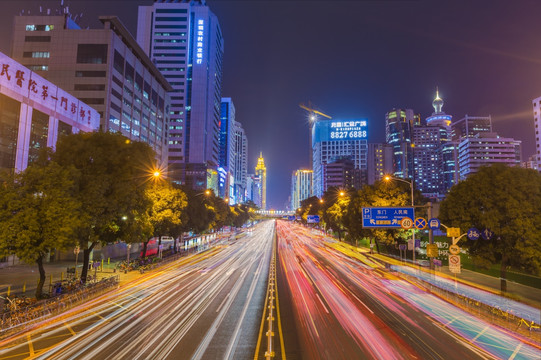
(387, 178)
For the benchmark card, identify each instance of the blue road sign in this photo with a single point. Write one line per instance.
(487, 234)
(312, 219)
(402, 246)
(417, 243)
(474, 234)
(389, 217)
(434, 224)
(420, 223)
(291, 217)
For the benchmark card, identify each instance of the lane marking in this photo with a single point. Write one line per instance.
(30, 345)
(69, 328)
(324, 307)
(517, 349)
(481, 333)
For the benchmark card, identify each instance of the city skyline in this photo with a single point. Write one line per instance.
(474, 60)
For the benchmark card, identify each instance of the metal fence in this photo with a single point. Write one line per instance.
(14, 316)
(496, 316)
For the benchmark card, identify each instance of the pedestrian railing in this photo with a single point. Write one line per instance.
(14, 318)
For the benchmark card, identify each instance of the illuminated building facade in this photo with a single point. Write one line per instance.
(240, 163)
(435, 156)
(184, 39)
(399, 124)
(334, 140)
(380, 162)
(470, 126)
(301, 187)
(485, 149)
(104, 68)
(341, 173)
(537, 122)
(33, 113)
(261, 178)
(227, 148)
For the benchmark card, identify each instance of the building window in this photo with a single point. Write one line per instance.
(90, 73)
(36, 54)
(173, 18)
(171, 11)
(118, 62)
(38, 67)
(89, 87)
(33, 27)
(38, 134)
(92, 101)
(170, 27)
(37, 39)
(92, 54)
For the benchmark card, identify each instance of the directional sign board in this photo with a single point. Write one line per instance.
(434, 224)
(473, 234)
(453, 232)
(312, 219)
(420, 223)
(454, 264)
(487, 234)
(291, 217)
(432, 250)
(378, 217)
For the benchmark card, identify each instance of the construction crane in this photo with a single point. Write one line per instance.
(313, 112)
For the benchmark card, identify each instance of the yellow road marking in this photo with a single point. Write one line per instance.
(280, 324)
(69, 328)
(262, 325)
(30, 345)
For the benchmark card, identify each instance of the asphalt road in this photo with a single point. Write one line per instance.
(207, 306)
(349, 309)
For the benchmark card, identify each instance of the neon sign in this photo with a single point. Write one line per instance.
(199, 42)
(348, 130)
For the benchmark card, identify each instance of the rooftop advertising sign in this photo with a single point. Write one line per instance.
(331, 130)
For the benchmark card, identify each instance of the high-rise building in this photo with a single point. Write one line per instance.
(485, 149)
(301, 187)
(333, 140)
(341, 173)
(240, 162)
(434, 154)
(227, 148)
(183, 38)
(104, 68)
(531, 163)
(399, 125)
(261, 174)
(537, 120)
(380, 162)
(470, 126)
(33, 113)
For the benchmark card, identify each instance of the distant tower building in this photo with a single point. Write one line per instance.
(380, 162)
(537, 120)
(240, 162)
(301, 187)
(341, 173)
(334, 140)
(261, 174)
(104, 68)
(531, 163)
(184, 40)
(227, 147)
(399, 125)
(485, 149)
(434, 155)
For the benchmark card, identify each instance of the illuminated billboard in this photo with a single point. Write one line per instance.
(334, 130)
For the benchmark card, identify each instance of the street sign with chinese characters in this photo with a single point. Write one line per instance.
(432, 250)
(390, 217)
(473, 234)
(453, 232)
(454, 264)
(312, 219)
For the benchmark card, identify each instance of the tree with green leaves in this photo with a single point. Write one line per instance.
(114, 172)
(38, 213)
(506, 200)
(198, 215)
(165, 212)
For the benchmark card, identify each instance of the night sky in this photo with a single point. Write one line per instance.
(357, 59)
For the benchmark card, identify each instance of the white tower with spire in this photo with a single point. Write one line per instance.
(438, 117)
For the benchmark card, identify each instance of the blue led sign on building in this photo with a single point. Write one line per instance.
(330, 130)
(199, 42)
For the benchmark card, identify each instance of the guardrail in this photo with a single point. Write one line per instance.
(15, 318)
(269, 354)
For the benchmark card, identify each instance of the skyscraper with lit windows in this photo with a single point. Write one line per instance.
(261, 174)
(399, 125)
(184, 39)
(301, 187)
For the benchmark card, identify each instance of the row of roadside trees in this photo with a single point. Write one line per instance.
(506, 200)
(99, 188)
